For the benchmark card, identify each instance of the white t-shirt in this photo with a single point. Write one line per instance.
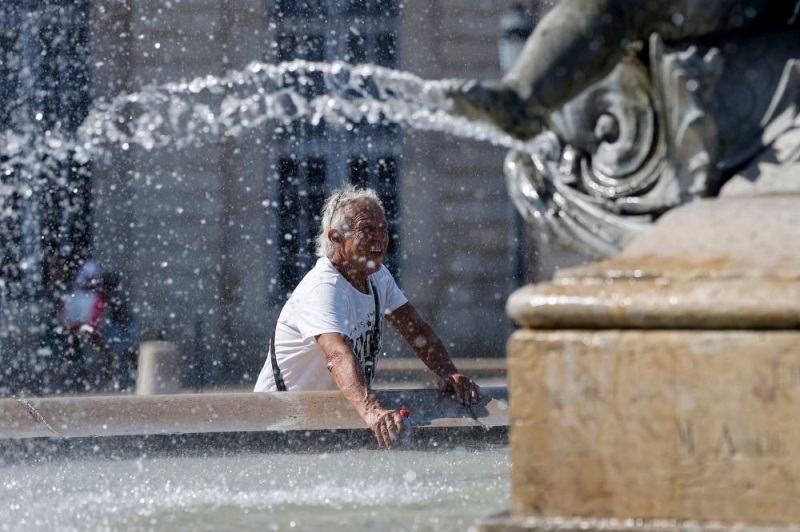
(325, 302)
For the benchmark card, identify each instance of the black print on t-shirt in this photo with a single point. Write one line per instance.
(361, 347)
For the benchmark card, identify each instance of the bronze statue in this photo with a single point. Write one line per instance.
(636, 107)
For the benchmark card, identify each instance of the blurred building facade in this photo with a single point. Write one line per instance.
(46, 85)
(211, 238)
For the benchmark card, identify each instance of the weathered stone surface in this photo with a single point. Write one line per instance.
(660, 304)
(714, 264)
(698, 425)
(663, 384)
(120, 415)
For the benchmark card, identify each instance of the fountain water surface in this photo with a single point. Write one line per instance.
(348, 490)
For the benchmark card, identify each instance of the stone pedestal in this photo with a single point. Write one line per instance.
(661, 388)
(159, 369)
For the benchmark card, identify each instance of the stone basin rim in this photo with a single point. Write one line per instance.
(283, 412)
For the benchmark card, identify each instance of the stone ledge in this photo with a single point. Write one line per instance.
(123, 415)
(712, 264)
(224, 443)
(659, 304)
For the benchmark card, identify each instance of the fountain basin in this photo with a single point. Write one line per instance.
(226, 487)
(288, 460)
(256, 421)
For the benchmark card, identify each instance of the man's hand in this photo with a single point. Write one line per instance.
(432, 351)
(387, 425)
(467, 392)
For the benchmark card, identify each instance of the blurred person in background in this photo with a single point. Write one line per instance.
(119, 332)
(84, 365)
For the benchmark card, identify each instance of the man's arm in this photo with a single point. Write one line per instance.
(387, 425)
(432, 351)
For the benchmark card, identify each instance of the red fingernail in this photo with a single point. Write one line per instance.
(405, 412)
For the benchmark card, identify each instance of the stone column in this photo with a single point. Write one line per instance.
(660, 389)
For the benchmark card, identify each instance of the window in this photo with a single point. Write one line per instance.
(373, 7)
(287, 44)
(301, 197)
(386, 186)
(376, 48)
(311, 160)
(290, 46)
(288, 215)
(11, 243)
(386, 50)
(45, 58)
(359, 172)
(356, 48)
(11, 203)
(9, 72)
(303, 8)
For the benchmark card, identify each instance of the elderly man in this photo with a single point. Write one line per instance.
(329, 331)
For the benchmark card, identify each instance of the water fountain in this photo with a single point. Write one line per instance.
(655, 389)
(680, 414)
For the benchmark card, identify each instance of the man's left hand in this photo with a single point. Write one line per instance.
(466, 390)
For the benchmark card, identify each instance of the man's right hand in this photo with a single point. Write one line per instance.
(387, 425)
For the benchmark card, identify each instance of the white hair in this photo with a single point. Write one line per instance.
(335, 215)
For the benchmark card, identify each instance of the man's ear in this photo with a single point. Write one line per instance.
(335, 236)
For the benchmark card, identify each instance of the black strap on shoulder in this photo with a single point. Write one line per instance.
(276, 370)
(375, 342)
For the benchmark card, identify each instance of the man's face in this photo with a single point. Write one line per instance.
(367, 239)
